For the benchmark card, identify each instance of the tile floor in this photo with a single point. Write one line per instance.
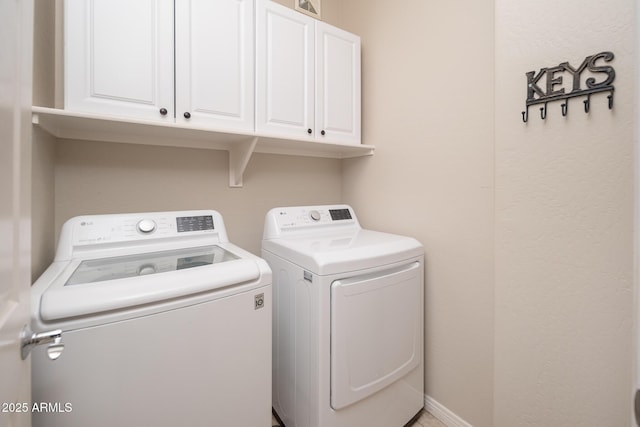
(425, 420)
(428, 420)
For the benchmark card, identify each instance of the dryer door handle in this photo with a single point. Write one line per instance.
(364, 282)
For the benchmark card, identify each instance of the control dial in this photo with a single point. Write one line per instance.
(145, 269)
(146, 226)
(315, 215)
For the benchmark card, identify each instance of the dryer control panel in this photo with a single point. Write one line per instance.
(309, 217)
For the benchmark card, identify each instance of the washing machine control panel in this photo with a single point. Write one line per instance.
(311, 216)
(104, 229)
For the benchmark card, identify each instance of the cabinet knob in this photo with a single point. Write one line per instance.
(187, 115)
(309, 131)
(323, 132)
(163, 111)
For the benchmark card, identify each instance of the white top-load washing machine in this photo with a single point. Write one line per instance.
(163, 323)
(348, 320)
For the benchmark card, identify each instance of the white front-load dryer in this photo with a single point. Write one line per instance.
(162, 322)
(348, 320)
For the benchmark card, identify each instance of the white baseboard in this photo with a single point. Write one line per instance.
(444, 414)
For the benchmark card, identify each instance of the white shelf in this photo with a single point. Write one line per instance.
(93, 127)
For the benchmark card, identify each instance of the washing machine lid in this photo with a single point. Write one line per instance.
(89, 287)
(325, 254)
(146, 263)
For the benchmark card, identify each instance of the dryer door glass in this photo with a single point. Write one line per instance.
(99, 270)
(375, 331)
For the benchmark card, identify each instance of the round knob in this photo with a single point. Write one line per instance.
(322, 133)
(163, 111)
(315, 215)
(187, 115)
(309, 131)
(146, 226)
(145, 269)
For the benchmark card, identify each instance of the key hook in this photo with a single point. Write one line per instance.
(543, 111)
(587, 103)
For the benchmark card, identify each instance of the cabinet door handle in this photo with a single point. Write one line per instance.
(309, 131)
(187, 115)
(163, 111)
(322, 133)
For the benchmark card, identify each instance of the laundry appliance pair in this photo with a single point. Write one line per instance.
(157, 319)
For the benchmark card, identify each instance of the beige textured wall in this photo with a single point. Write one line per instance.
(44, 53)
(428, 109)
(42, 201)
(43, 145)
(564, 205)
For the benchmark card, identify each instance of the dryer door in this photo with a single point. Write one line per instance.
(376, 331)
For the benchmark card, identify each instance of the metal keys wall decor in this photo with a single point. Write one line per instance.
(543, 91)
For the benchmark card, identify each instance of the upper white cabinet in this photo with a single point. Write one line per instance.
(307, 77)
(337, 90)
(284, 70)
(215, 63)
(243, 76)
(119, 60)
(119, 57)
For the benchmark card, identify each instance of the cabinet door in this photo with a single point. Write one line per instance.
(119, 57)
(337, 85)
(214, 63)
(284, 70)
